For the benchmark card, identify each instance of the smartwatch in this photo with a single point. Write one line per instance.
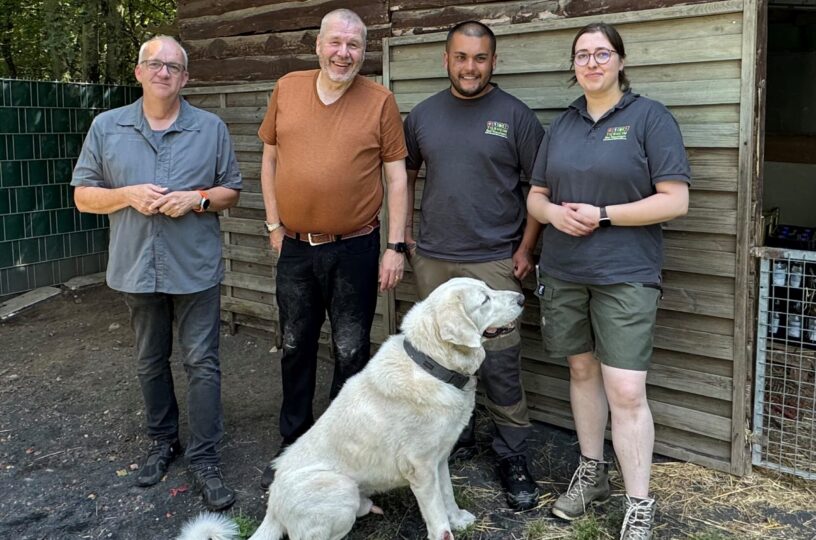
(399, 247)
(604, 221)
(204, 203)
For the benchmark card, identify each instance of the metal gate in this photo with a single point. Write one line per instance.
(785, 392)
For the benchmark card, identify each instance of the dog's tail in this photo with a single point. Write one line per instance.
(209, 526)
(270, 529)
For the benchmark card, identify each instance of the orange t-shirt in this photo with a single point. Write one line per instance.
(329, 157)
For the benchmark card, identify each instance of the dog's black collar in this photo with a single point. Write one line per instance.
(459, 380)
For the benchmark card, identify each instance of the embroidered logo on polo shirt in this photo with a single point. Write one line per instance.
(499, 129)
(616, 133)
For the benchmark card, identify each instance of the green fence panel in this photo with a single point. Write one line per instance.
(44, 240)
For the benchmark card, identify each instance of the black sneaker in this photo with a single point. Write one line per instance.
(268, 475)
(519, 486)
(158, 459)
(216, 494)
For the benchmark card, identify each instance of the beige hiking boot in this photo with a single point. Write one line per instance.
(589, 484)
(637, 523)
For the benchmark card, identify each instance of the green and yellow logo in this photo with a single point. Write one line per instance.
(616, 133)
(499, 129)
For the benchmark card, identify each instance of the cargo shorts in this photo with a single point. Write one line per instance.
(615, 321)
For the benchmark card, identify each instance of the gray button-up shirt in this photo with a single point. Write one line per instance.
(158, 253)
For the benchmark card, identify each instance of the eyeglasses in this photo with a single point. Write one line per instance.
(602, 56)
(156, 65)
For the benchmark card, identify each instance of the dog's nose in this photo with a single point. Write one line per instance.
(520, 300)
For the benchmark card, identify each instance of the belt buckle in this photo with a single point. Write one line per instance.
(315, 242)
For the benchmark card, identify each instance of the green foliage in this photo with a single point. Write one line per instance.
(246, 525)
(78, 40)
(588, 528)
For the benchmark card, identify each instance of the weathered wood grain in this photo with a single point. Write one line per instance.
(422, 21)
(275, 17)
(266, 68)
(271, 44)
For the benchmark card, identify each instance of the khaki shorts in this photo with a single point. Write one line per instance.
(616, 321)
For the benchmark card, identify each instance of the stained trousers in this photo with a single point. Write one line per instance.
(338, 277)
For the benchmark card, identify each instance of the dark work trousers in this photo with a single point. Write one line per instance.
(500, 373)
(338, 277)
(197, 317)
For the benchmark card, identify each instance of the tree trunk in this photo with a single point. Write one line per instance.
(90, 42)
(6, 26)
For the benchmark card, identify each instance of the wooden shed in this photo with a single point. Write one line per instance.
(704, 60)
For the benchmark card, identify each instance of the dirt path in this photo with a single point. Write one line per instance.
(71, 431)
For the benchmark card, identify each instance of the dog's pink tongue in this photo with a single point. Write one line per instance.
(376, 509)
(492, 330)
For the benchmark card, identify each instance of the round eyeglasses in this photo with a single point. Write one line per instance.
(602, 56)
(156, 65)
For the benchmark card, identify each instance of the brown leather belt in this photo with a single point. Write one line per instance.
(316, 239)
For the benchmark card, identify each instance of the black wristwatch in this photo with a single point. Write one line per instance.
(604, 221)
(399, 247)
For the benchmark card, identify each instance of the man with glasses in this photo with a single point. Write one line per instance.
(161, 170)
(476, 140)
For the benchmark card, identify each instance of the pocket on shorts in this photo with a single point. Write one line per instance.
(545, 293)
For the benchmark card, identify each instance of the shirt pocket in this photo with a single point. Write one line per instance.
(128, 159)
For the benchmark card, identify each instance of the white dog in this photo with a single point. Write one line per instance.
(394, 423)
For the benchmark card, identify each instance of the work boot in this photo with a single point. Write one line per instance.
(214, 492)
(637, 523)
(589, 484)
(268, 475)
(157, 461)
(520, 488)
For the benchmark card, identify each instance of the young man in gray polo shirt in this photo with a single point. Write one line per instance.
(161, 169)
(475, 141)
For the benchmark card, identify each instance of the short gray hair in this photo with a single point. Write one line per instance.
(171, 39)
(345, 15)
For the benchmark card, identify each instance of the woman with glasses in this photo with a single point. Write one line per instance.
(609, 171)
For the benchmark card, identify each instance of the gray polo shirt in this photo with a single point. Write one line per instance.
(474, 151)
(616, 160)
(158, 253)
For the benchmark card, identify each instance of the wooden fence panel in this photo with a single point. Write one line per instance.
(690, 58)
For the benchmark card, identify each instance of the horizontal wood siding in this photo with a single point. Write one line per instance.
(689, 58)
(239, 41)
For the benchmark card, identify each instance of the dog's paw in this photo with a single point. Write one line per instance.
(462, 519)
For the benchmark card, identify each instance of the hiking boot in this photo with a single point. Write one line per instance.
(589, 484)
(637, 523)
(158, 459)
(520, 488)
(208, 479)
(268, 475)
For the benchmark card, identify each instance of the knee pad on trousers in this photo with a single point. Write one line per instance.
(500, 376)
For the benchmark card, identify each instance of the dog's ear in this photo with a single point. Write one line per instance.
(457, 328)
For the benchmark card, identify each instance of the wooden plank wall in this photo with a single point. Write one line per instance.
(239, 41)
(248, 290)
(687, 55)
(689, 58)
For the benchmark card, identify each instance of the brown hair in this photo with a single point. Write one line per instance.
(615, 40)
